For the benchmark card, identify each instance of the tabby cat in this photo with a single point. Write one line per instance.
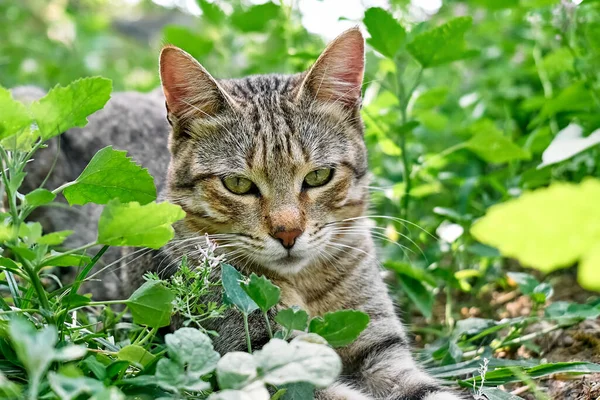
(274, 169)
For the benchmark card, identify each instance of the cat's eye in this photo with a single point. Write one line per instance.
(238, 185)
(318, 177)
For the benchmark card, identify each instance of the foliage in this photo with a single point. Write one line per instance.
(483, 140)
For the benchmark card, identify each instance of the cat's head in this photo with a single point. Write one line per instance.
(270, 165)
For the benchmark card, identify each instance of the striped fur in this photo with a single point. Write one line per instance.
(274, 130)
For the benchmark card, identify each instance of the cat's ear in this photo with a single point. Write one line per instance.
(190, 91)
(337, 74)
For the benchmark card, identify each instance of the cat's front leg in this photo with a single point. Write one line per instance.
(383, 367)
(341, 391)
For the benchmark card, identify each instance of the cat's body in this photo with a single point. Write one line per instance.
(273, 168)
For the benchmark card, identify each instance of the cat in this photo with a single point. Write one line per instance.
(274, 169)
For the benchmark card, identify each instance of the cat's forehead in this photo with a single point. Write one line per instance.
(270, 133)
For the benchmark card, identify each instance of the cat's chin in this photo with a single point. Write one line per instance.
(288, 265)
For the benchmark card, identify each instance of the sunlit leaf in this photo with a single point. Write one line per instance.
(151, 304)
(67, 107)
(132, 224)
(545, 229)
(339, 328)
(111, 175)
(387, 35)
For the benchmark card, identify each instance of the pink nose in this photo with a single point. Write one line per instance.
(287, 238)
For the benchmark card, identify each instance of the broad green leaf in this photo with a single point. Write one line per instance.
(36, 349)
(300, 360)
(526, 282)
(497, 5)
(387, 35)
(292, 319)
(132, 224)
(568, 143)
(264, 293)
(57, 259)
(255, 391)
(443, 44)
(538, 3)
(111, 393)
(69, 388)
(573, 98)
(136, 355)
(233, 292)
(111, 175)
(255, 18)
(197, 45)
(10, 265)
(298, 391)
(14, 116)
(419, 294)
(545, 229)
(193, 349)
(563, 310)
(54, 238)
(39, 197)
(339, 328)
(67, 107)
(235, 370)
(212, 12)
(588, 274)
(169, 375)
(558, 61)
(151, 304)
(490, 144)
(411, 271)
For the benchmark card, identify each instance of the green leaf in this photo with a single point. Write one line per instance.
(132, 224)
(588, 274)
(39, 197)
(212, 12)
(67, 107)
(500, 376)
(255, 18)
(14, 117)
(339, 328)
(57, 259)
(545, 229)
(111, 393)
(193, 349)
(111, 175)
(421, 296)
(562, 310)
(572, 98)
(497, 394)
(298, 391)
(491, 145)
(443, 44)
(36, 349)
(68, 388)
(301, 360)
(54, 238)
(197, 45)
(151, 304)
(387, 35)
(526, 282)
(136, 355)
(264, 293)
(234, 294)
(236, 370)
(292, 319)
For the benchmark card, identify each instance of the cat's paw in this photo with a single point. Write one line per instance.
(340, 391)
(443, 396)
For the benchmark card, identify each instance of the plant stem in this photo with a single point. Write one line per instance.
(63, 187)
(150, 334)
(247, 329)
(268, 325)
(39, 288)
(25, 310)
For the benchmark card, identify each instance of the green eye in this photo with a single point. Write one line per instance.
(318, 177)
(238, 185)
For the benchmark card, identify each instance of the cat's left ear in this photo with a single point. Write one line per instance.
(337, 74)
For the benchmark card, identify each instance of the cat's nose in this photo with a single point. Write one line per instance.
(287, 237)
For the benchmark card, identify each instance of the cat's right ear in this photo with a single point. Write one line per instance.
(190, 91)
